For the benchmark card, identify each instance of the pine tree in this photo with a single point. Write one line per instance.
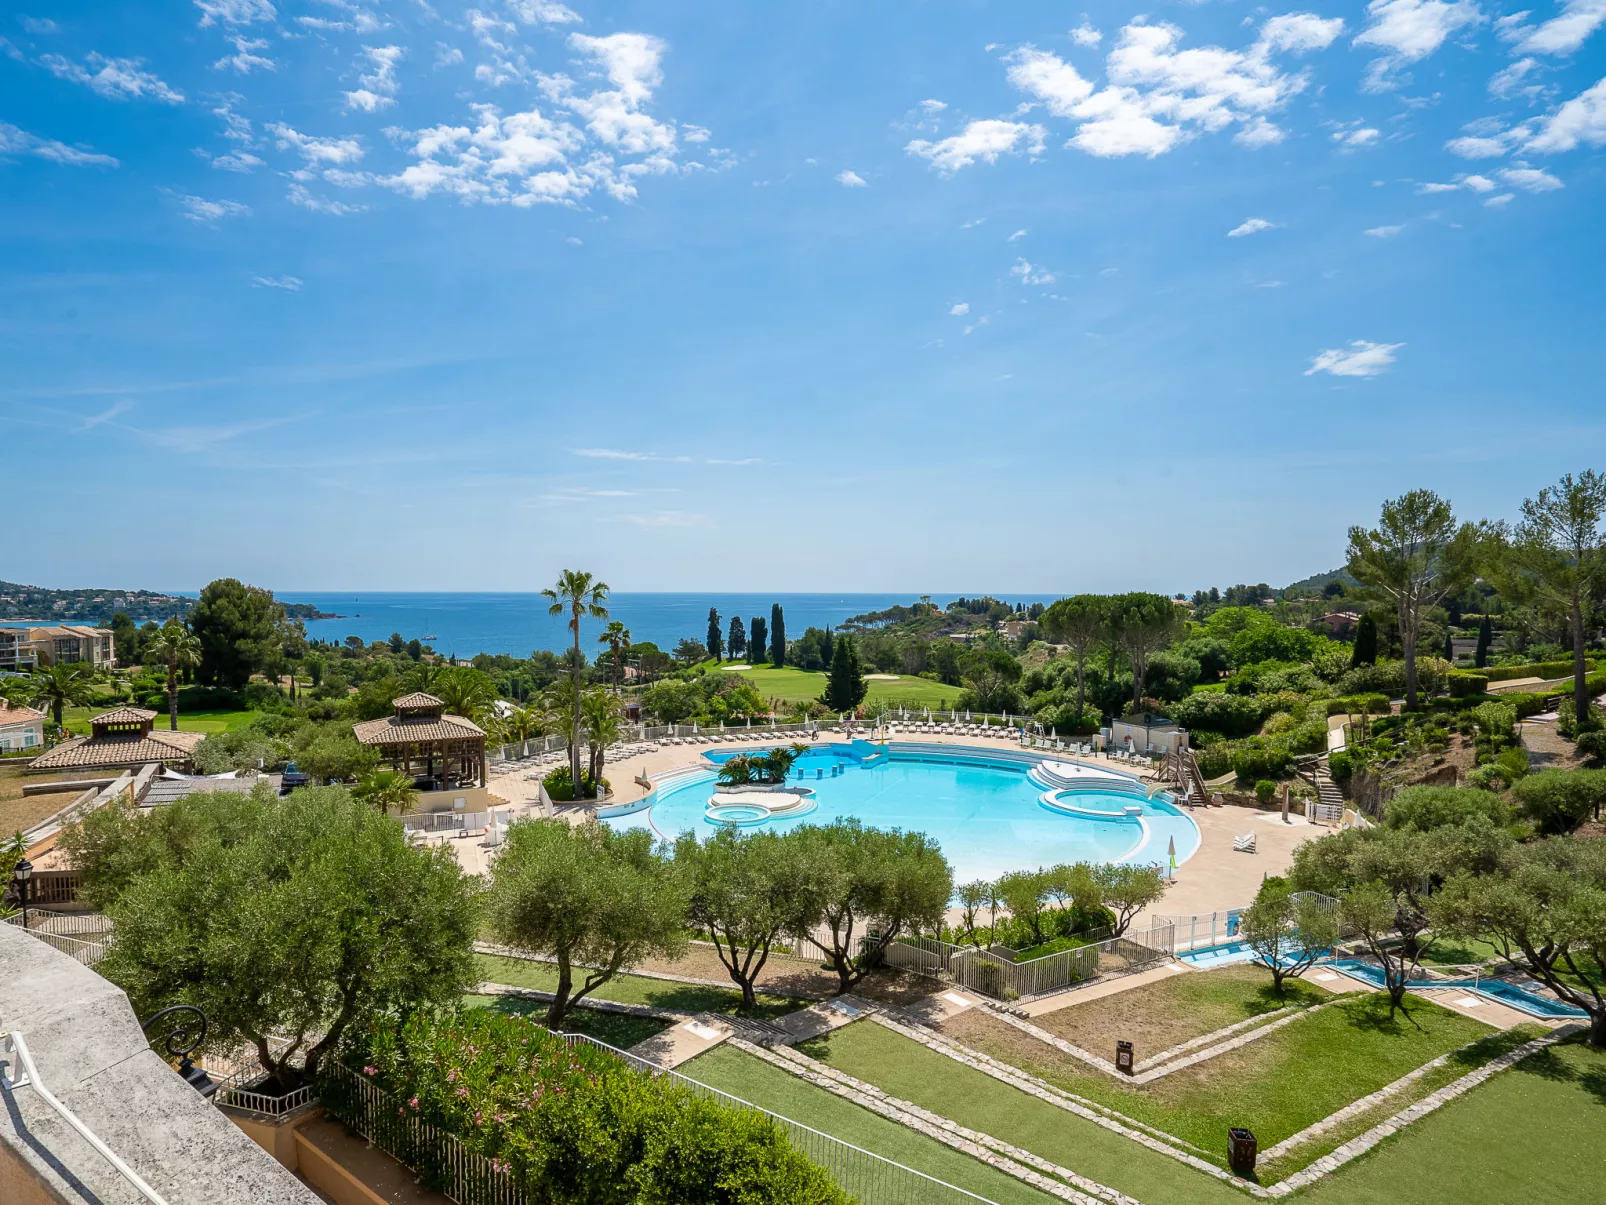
(1480, 655)
(846, 687)
(738, 638)
(714, 641)
(1365, 643)
(777, 636)
(757, 638)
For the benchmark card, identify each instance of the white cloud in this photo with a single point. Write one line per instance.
(447, 56)
(1300, 32)
(699, 134)
(1501, 201)
(290, 284)
(1384, 231)
(1360, 359)
(1565, 33)
(1509, 81)
(1251, 226)
(298, 195)
(1085, 35)
(542, 12)
(618, 454)
(39, 25)
(1409, 31)
(115, 79)
(978, 324)
(1258, 132)
(850, 179)
(337, 151)
(379, 85)
(237, 161)
(245, 58)
(1428, 188)
(959, 309)
(1016, 237)
(199, 209)
(1355, 135)
(1529, 179)
(1030, 274)
(984, 140)
(1473, 146)
(1580, 120)
(14, 141)
(933, 107)
(1476, 183)
(234, 12)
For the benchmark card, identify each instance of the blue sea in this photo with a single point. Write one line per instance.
(465, 624)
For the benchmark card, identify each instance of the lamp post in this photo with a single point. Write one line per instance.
(22, 873)
(186, 1032)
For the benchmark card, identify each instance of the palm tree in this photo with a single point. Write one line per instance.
(601, 718)
(387, 789)
(58, 687)
(580, 595)
(521, 723)
(617, 638)
(424, 676)
(466, 692)
(174, 646)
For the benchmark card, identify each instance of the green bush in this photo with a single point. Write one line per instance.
(1593, 745)
(1341, 765)
(1214, 760)
(1559, 800)
(1488, 778)
(1464, 683)
(1425, 808)
(1537, 669)
(576, 1125)
(1265, 789)
(196, 698)
(1214, 711)
(1513, 762)
(1254, 762)
(560, 787)
(1362, 704)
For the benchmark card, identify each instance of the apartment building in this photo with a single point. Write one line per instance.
(66, 644)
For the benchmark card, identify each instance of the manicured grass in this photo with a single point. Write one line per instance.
(616, 1029)
(1162, 1014)
(1454, 951)
(792, 685)
(633, 989)
(911, 1072)
(1275, 1086)
(740, 1074)
(76, 719)
(1533, 1133)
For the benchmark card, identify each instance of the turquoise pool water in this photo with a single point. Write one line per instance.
(987, 814)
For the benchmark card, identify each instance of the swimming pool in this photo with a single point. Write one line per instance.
(990, 811)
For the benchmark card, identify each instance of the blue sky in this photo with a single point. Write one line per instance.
(836, 296)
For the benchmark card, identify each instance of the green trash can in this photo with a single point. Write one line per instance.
(1241, 1150)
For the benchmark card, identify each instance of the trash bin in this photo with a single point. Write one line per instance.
(1241, 1148)
(1123, 1057)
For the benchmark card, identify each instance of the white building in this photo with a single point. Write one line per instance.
(20, 728)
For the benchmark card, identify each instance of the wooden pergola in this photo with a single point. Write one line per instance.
(420, 740)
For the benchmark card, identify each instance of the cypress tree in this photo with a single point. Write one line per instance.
(738, 638)
(777, 636)
(757, 640)
(846, 687)
(1449, 648)
(825, 649)
(1365, 643)
(1480, 655)
(714, 642)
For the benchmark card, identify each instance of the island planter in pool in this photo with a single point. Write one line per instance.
(986, 807)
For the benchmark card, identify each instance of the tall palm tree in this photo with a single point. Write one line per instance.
(59, 687)
(465, 691)
(601, 716)
(173, 646)
(521, 723)
(617, 638)
(580, 595)
(424, 676)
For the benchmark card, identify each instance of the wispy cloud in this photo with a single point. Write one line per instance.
(851, 179)
(1016, 237)
(115, 79)
(1384, 231)
(290, 284)
(1360, 359)
(1251, 226)
(959, 309)
(14, 141)
(621, 454)
(200, 209)
(91, 421)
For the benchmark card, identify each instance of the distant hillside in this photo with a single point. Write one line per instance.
(19, 602)
(1318, 582)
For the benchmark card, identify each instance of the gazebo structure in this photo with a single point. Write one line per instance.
(439, 752)
(119, 740)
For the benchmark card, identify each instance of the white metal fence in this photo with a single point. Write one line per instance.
(83, 936)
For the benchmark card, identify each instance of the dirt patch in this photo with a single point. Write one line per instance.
(780, 976)
(1162, 1014)
(18, 812)
(1549, 750)
(893, 987)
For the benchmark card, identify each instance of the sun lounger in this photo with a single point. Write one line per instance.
(1244, 844)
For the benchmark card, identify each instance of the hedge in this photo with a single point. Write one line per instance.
(1363, 704)
(577, 1126)
(1465, 683)
(1538, 669)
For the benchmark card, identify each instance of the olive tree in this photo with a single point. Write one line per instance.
(743, 891)
(1127, 890)
(1287, 931)
(860, 888)
(292, 918)
(1543, 907)
(589, 898)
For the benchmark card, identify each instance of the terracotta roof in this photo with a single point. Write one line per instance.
(124, 715)
(18, 714)
(417, 699)
(394, 730)
(119, 749)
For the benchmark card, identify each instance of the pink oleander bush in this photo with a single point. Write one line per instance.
(576, 1125)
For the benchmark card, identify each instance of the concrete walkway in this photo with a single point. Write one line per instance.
(683, 1042)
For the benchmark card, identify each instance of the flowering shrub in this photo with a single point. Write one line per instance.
(575, 1124)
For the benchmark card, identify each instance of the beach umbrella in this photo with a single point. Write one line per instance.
(1171, 855)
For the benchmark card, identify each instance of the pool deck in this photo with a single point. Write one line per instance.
(1215, 877)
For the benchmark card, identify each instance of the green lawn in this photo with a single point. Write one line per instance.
(1275, 1086)
(634, 989)
(752, 1079)
(1533, 1133)
(910, 1071)
(77, 719)
(616, 1029)
(792, 685)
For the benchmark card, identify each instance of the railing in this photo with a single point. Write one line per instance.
(1203, 929)
(81, 936)
(993, 972)
(868, 1178)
